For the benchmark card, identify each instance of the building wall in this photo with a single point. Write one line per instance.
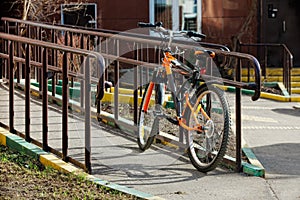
(223, 19)
(122, 15)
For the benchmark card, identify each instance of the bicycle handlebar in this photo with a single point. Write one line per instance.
(159, 26)
(149, 25)
(195, 34)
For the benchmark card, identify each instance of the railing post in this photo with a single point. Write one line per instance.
(290, 65)
(284, 78)
(27, 93)
(19, 54)
(11, 85)
(53, 59)
(72, 59)
(117, 73)
(45, 98)
(100, 85)
(3, 46)
(39, 76)
(81, 71)
(264, 69)
(135, 88)
(87, 95)
(6, 46)
(65, 102)
(238, 98)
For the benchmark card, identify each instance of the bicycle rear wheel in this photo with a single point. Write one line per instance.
(207, 148)
(148, 126)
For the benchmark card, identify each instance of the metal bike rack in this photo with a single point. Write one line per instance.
(262, 49)
(111, 50)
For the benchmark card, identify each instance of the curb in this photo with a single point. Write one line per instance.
(265, 95)
(47, 159)
(255, 168)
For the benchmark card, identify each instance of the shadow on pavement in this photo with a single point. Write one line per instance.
(131, 175)
(287, 111)
(281, 158)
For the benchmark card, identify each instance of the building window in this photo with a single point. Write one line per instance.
(84, 15)
(177, 14)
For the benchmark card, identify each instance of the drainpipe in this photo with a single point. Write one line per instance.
(175, 15)
(260, 21)
(199, 16)
(151, 12)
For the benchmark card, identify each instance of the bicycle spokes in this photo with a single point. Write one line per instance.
(208, 146)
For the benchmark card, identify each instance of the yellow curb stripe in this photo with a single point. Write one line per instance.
(274, 97)
(295, 99)
(3, 134)
(124, 91)
(2, 139)
(56, 163)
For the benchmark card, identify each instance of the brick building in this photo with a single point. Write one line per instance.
(252, 21)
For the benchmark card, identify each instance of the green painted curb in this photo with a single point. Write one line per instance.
(255, 167)
(123, 189)
(253, 170)
(17, 143)
(248, 168)
(74, 93)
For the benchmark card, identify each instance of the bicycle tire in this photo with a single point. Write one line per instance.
(206, 149)
(144, 138)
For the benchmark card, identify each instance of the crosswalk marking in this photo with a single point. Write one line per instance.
(256, 118)
(271, 127)
(256, 108)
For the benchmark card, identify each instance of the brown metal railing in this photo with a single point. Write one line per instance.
(11, 42)
(139, 53)
(262, 49)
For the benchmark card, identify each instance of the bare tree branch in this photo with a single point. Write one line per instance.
(44, 10)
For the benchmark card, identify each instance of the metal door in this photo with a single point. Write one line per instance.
(281, 24)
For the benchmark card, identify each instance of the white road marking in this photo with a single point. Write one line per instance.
(256, 118)
(271, 127)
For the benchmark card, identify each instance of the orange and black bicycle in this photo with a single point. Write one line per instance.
(201, 109)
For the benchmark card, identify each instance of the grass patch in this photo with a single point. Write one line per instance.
(22, 177)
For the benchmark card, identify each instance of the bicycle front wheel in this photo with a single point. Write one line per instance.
(148, 125)
(211, 110)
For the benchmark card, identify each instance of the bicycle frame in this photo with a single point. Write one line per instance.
(206, 131)
(167, 64)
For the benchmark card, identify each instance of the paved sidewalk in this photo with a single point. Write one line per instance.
(270, 128)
